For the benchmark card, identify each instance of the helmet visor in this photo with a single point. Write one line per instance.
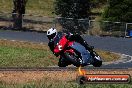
(51, 36)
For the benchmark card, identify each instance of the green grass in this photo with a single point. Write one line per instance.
(6, 6)
(36, 7)
(18, 54)
(40, 7)
(24, 57)
(59, 84)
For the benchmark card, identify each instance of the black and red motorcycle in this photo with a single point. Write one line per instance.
(74, 53)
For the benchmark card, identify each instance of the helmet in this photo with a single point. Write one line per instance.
(51, 33)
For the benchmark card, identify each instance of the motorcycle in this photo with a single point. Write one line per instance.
(74, 53)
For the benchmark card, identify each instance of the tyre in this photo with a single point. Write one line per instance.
(97, 60)
(97, 63)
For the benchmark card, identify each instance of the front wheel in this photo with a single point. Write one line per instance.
(75, 60)
(63, 62)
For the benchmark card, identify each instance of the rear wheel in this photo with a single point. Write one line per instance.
(97, 63)
(97, 60)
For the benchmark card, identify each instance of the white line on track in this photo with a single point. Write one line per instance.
(124, 58)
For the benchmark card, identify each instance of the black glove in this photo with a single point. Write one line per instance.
(56, 54)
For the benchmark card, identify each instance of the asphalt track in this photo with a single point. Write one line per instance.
(118, 45)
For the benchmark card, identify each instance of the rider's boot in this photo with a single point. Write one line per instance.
(92, 52)
(89, 48)
(95, 61)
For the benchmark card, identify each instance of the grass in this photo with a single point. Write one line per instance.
(108, 56)
(36, 7)
(13, 56)
(41, 7)
(25, 54)
(50, 77)
(75, 85)
(54, 79)
(6, 6)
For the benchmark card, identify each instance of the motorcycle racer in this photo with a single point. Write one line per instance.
(52, 35)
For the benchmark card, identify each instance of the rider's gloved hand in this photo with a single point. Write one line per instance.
(56, 54)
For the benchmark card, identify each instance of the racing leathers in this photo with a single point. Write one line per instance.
(62, 61)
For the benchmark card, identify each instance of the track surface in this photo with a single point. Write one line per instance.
(119, 45)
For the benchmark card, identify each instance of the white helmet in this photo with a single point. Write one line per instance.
(51, 33)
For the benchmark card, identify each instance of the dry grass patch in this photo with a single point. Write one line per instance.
(37, 76)
(23, 44)
(108, 56)
(19, 77)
